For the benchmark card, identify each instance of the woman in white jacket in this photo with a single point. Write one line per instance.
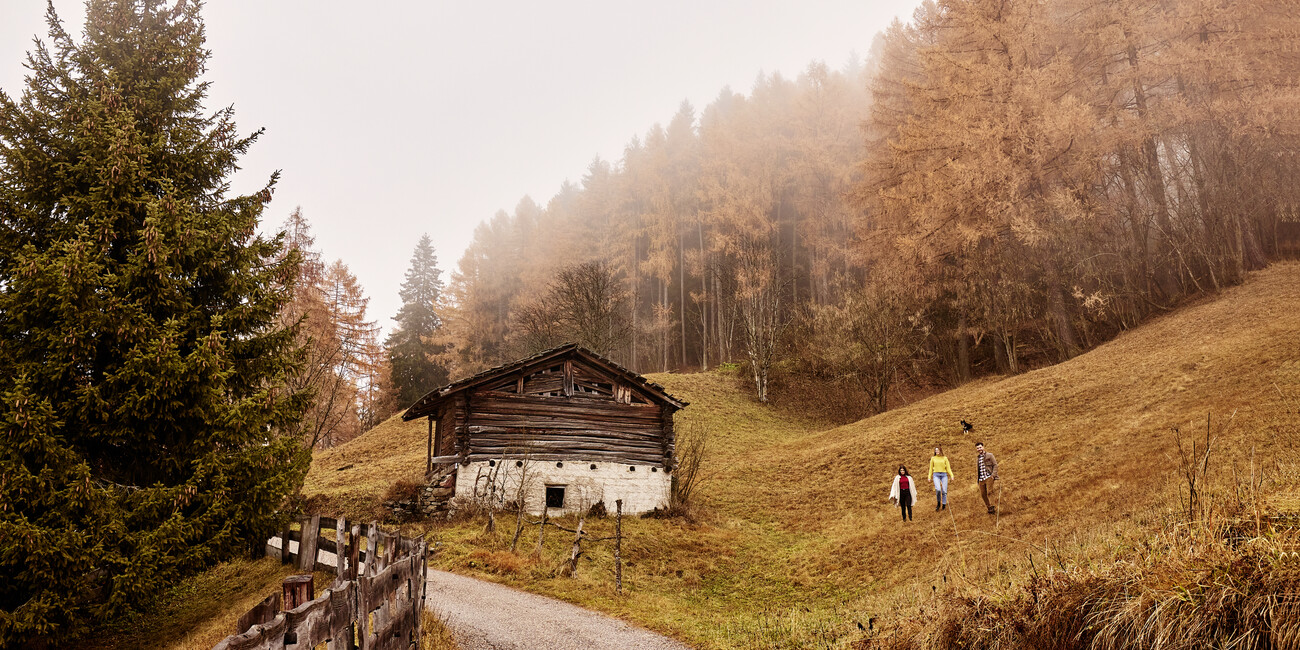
(904, 492)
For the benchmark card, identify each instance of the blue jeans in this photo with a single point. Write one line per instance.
(941, 485)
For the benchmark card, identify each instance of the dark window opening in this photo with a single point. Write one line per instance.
(555, 496)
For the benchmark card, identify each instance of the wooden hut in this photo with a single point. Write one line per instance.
(567, 426)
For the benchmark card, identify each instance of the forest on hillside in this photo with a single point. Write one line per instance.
(999, 184)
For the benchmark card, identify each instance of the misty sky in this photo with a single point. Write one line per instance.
(393, 119)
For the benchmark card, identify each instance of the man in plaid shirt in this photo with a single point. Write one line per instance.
(987, 473)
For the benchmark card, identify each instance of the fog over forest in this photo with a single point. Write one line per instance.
(386, 128)
(693, 283)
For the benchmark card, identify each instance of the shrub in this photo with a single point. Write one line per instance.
(404, 490)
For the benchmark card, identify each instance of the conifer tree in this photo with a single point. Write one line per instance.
(410, 347)
(142, 398)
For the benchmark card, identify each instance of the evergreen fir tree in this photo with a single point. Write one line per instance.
(142, 396)
(409, 346)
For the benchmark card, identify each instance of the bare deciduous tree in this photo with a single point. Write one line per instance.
(585, 303)
(759, 298)
(692, 446)
(870, 336)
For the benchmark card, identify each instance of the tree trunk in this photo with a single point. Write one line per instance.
(963, 350)
(681, 291)
(1064, 326)
(635, 304)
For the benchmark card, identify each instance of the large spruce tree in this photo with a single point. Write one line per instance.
(409, 347)
(141, 373)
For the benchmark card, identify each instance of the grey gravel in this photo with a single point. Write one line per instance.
(487, 616)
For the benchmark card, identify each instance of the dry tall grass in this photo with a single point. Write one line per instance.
(798, 548)
(201, 610)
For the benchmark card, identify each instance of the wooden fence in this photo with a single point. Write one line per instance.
(372, 605)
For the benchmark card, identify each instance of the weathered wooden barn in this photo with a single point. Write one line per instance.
(573, 426)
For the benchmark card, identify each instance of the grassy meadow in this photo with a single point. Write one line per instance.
(793, 543)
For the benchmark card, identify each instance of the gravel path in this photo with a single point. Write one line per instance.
(487, 616)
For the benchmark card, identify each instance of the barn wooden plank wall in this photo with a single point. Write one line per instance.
(563, 404)
(377, 608)
(548, 428)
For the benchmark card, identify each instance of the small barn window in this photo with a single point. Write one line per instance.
(559, 464)
(555, 496)
(519, 463)
(593, 466)
(631, 468)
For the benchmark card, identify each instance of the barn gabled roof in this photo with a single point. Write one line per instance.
(428, 404)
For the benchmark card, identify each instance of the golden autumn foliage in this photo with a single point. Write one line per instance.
(1042, 173)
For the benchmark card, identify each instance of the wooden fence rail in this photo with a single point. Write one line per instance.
(372, 605)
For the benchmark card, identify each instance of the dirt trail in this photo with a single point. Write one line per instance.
(487, 616)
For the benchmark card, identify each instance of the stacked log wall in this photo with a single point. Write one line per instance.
(559, 428)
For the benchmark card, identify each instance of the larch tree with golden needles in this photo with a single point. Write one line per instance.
(340, 347)
(992, 163)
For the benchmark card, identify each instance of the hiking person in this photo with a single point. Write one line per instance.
(940, 473)
(986, 467)
(903, 492)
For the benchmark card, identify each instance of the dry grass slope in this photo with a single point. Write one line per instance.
(799, 547)
(353, 478)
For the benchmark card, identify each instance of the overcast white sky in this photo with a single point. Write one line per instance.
(398, 118)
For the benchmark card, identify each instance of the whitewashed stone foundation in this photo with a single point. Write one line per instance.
(642, 489)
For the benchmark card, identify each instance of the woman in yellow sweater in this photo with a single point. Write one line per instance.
(940, 472)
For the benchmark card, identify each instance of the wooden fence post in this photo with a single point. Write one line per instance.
(342, 605)
(363, 586)
(394, 547)
(297, 590)
(340, 550)
(284, 543)
(618, 548)
(354, 552)
(372, 549)
(422, 565)
(577, 549)
(307, 545)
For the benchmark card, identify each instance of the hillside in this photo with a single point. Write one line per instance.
(798, 545)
